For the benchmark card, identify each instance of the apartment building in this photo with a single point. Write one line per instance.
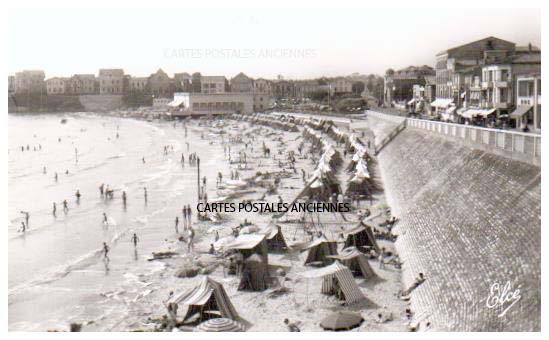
(111, 81)
(214, 84)
(30, 81)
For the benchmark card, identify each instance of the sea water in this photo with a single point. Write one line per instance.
(56, 271)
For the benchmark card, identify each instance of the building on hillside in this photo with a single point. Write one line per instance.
(57, 85)
(82, 84)
(160, 84)
(241, 83)
(211, 103)
(111, 81)
(139, 85)
(182, 82)
(30, 81)
(214, 84)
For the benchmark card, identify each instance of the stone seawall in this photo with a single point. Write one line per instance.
(468, 219)
(101, 103)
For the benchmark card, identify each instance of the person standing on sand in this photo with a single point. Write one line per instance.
(77, 196)
(190, 241)
(27, 217)
(54, 210)
(189, 214)
(106, 252)
(135, 239)
(145, 194)
(124, 198)
(23, 227)
(105, 219)
(65, 206)
(185, 217)
(176, 224)
(55, 177)
(102, 189)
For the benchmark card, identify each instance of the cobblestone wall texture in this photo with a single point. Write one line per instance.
(468, 219)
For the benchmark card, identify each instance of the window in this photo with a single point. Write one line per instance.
(525, 88)
(504, 75)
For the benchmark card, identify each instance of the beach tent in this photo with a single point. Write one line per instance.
(337, 280)
(353, 259)
(320, 250)
(255, 274)
(360, 236)
(250, 244)
(208, 300)
(275, 239)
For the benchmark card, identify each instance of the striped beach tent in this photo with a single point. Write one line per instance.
(208, 300)
(353, 259)
(337, 280)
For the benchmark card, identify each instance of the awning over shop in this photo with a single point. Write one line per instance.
(520, 111)
(451, 110)
(470, 113)
(413, 100)
(441, 102)
(176, 102)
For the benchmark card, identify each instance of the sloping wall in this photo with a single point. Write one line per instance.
(468, 219)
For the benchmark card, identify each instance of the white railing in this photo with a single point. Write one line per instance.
(525, 147)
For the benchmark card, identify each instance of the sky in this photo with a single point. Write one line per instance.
(295, 43)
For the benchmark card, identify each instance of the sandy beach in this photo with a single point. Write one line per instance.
(129, 292)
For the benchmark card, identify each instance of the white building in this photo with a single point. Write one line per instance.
(528, 108)
(185, 103)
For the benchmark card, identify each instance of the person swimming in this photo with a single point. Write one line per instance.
(77, 196)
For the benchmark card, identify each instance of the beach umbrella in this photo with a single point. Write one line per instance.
(220, 325)
(341, 321)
